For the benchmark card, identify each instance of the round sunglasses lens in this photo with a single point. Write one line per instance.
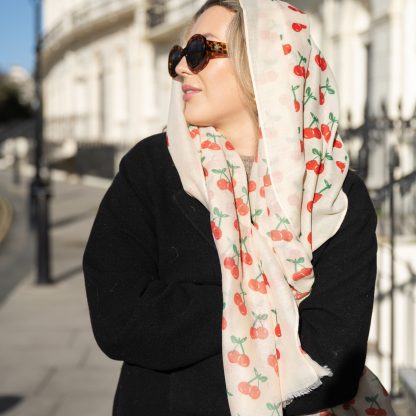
(174, 58)
(196, 53)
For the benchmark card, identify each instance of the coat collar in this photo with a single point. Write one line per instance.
(196, 213)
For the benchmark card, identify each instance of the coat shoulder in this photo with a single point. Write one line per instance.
(146, 151)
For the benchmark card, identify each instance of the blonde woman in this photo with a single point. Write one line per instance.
(232, 262)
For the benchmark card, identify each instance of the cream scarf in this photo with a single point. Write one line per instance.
(265, 227)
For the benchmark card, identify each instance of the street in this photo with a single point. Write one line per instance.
(50, 363)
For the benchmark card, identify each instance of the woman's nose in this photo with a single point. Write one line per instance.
(182, 67)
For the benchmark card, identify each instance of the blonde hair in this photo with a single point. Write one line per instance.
(236, 47)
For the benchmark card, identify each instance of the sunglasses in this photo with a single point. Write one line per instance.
(198, 51)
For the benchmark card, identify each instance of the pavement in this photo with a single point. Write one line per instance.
(50, 364)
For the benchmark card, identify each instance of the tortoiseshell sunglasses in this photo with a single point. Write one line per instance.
(198, 51)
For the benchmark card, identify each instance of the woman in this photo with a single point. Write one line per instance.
(232, 262)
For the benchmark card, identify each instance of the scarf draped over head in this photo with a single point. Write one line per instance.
(265, 227)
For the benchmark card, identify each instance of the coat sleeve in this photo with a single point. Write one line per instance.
(136, 317)
(335, 319)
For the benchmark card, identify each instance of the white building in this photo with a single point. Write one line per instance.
(106, 78)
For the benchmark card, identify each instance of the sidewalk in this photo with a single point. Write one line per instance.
(50, 364)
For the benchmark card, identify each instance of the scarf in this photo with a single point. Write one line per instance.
(266, 226)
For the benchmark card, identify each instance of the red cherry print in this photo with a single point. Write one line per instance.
(217, 233)
(321, 98)
(224, 323)
(297, 106)
(231, 185)
(286, 235)
(341, 165)
(262, 192)
(239, 202)
(320, 168)
(297, 27)
(243, 309)
(236, 225)
(235, 272)
(247, 258)
(317, 132)
(222, 184)
(326, 131)
(301, 295)
(251, 186)
(253, 332)
(254, 392)
(307, 74)
(272, 360)
(205, 144)
(233, 356)
(337, 144)
(318, 60)
(265, 279)
(277, 331)
(309, 206)
(348, 404)
(194, 133)
(299, 70)
(266, 180)
(243, 360)
(297, 276)
(229, 145)
(308, 133)
(371, 411)
(277, 354)
(311, 164)
(229, 262)
(244, 387)
(237, 299)
(213, 225)
(324, 65)
(253, 284)
(310, 238)
(306, 271)
(317, 197)
(287, 48)
(205, 172)
(214, 146)
(262, 287)
(262, 332)
(243, 209)
(276, 235)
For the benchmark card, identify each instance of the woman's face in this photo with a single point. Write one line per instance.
(219, 103)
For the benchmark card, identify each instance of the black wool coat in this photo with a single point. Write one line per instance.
(153, 285)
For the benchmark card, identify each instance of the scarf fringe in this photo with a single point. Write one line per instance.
(306, 390)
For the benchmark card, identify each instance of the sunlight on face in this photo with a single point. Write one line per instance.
(220, 100)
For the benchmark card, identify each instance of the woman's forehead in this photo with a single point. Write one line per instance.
(213, 23)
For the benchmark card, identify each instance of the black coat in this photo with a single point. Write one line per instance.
(153, 284)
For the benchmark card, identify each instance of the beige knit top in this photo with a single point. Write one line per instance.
(248, 162)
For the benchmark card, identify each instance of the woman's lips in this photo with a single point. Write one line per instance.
(188, 95)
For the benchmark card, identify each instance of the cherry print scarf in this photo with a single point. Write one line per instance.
(265, 227)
